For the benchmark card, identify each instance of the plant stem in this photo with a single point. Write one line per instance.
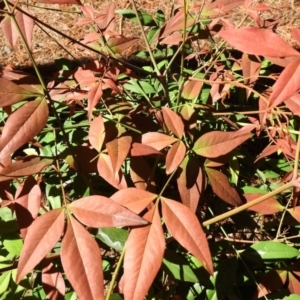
(248, 205)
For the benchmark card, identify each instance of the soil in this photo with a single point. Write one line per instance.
(48, 45)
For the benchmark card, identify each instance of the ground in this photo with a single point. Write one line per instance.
(63, 17)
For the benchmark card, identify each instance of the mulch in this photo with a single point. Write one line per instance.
(49, 45)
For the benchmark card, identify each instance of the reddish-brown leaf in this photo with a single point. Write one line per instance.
(222, 188)
(106, 171)
(28, 165)
(94, 96)
(81, 260)
(22, 126)
(99, 211)
(175, 156)
(41, 237)
(215, 7)
(268, 207)
(134, 199)
(190, 182)
(192, 89)
(217, 143)
(106, 21)
(257, 41)
(184, 226)
(269, 150)
(118, 150)
(27, 204)
(295, 212)
(143, 256)
(97, 133)
(286, 85)
(173, 121)
(120, 44)
(25, 24)
(271, 281)
(293, 104)
(294, 284)
(157, 140)
(143, 150)
(11, 93)
(53, 282)
(250, 67)
(140, 173)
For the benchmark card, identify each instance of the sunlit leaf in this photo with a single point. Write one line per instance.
(217, 143)
(257, 41)
(99, 211)
(130, 14)
(175, 156)
(142, 263)
(118, 150)
(120, 44)
(81, 260)
(26, 166)
(41, 237)
(97, 133)
(134, 199)
(173, 121)
(25, 123)
(286, 85)
(269, 207)
(186, 229)
(157, 140)
(192, 89)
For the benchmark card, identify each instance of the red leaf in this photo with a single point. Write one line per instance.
(269, 150)
(286, 85)
(81, 260)
(173, 122)
(190, 182)
(140, 174)
(268, 207)
(99, 211)
(186, 229)
(94, 96)
(27, 204)
(295, 212)
(217, 143)
(53, 282)
(120, 44)
(41, 237)
(105, 170)
(142, 263)
(28, 165)
(192, 89)
(22, 126)
(134, 199)
(11, 93)
(97, 133)
(118, 150)
(25, 24)
(221, 187)
(293, 104)
(250, 67)
(175, 156)
(257, 41)
(157, 140)
(294, 284)
(143, 150)
(296, 35)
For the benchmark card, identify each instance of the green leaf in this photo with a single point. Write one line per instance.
(13, 246)
(292, 297)
(145, 18)
(4, 281)
(271, 250)
(113, 237)
(178, 267)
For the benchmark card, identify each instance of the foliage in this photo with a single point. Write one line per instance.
(176, 178)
